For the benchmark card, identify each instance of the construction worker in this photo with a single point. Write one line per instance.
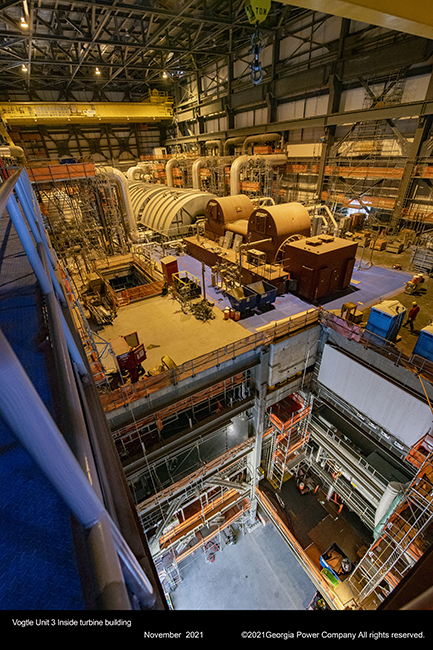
(412, 315)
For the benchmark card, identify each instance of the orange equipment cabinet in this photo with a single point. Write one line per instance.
(169, 266)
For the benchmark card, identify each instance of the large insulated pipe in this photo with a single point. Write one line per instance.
(238, 163)
(321, 207)
(212, 144)
(169, 171)
(392, 495)
(137, 172)
(230, 142)
(121, 183)
(13, 152)
(196, 166)
(202, 162)
(262, 137)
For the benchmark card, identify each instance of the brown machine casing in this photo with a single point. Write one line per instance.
(320, 265)
(277, 224)
(225, 210)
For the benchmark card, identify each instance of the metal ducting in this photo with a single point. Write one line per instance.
(214, 144)
(139, 173)
(13, 152)
(197, 165)
(231, 142)
(392, 495)
(173, 162)
(207, 163)
(320, 209)
(167, 210)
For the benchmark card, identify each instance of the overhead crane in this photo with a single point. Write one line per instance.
(158, 106)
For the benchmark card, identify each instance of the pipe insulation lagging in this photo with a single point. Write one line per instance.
(392, 495)
(232, 142)
(262, 137)
(201, 163)
(241, 161)
(121, 182)
(13, 152)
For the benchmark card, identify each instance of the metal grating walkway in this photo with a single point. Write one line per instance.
(38, 567)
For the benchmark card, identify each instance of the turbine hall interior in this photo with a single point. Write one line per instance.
(216, 304)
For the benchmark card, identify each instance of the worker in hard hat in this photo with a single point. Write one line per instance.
(412, 315)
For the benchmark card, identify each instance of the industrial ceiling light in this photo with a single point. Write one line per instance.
(164, 75)
(23, 23)
(97, 71)
(24, 67)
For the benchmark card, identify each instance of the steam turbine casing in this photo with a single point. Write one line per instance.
(277, 223)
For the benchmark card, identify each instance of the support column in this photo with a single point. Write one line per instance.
(259, 379)
(421, 134)
(271, 99)
(335, 89)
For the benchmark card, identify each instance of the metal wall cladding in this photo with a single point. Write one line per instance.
(225, 210)
(397, 411)
(277, 223)
(321, 265)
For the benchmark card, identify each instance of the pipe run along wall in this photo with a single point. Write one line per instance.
(209, 163)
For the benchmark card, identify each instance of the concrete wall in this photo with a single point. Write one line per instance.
(292, 355)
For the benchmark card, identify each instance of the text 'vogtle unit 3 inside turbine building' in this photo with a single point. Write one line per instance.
(216, 338)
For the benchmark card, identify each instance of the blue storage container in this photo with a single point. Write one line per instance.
(386, 319)
(266, 293)
(242, 299)
(424, 344)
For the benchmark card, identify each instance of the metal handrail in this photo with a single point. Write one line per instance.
(27, 416)
(189, 369)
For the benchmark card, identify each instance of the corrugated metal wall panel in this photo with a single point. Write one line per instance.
(404, 416)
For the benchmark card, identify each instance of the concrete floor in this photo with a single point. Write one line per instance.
(424, 296)
(259, 572)
(166, 330)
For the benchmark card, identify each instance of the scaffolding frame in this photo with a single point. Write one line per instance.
(289, 437)
(403, 539)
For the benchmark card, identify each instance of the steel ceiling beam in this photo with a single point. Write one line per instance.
(400, 15)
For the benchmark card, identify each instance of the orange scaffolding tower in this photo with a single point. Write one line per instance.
(289, 428)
